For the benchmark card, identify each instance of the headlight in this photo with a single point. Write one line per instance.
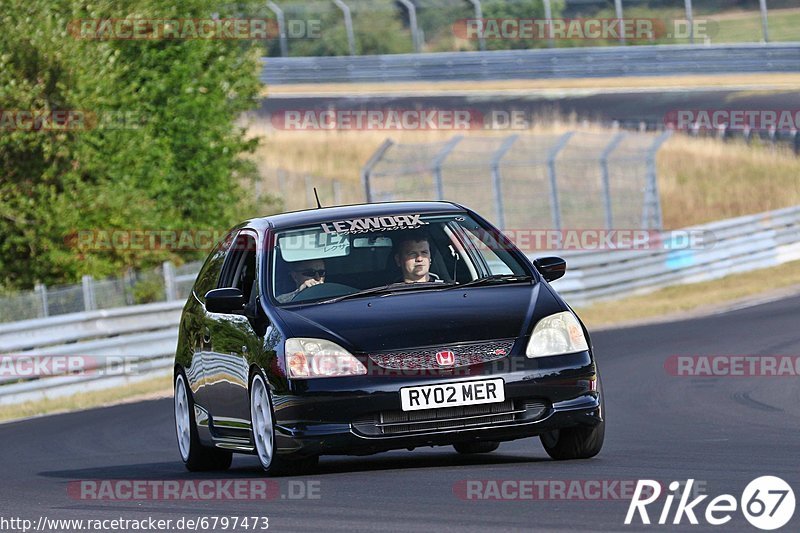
(318, 358)
(556, 334)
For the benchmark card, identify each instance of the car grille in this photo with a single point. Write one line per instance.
(391, 423)
(425, 358)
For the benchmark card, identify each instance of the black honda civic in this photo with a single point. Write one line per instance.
(366, 328)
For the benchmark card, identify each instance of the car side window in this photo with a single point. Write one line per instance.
(209, 274)
(239, 270)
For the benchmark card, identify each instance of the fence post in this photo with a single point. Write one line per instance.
(548, 16)
(551, 172)
(281, 28)
(366, 172)
(41, 288)
(652, 199)
(170, 287)
(87, 282)
(436, 165)
(618, 9)
(497, 181)
(348, 25)
(615, 141)
(337, 193)
(764, 21)
(412, 23)
(476, 4)
(690, 19)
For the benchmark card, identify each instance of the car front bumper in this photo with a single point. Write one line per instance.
(360, 416)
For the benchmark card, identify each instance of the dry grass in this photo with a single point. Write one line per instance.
(700, 180)
(160, 387)
(683, 299)
(775, 81)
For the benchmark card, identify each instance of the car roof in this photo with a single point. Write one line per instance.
(346, 212)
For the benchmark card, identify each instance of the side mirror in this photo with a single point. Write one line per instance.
(226, 301)
(551, 268)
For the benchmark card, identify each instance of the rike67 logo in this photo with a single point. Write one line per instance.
(767, 503)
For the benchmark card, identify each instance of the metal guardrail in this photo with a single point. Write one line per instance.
(147, 334)
(596, 62)
(739, 245)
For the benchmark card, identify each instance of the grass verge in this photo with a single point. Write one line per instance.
(144, 390)
(681, 301)
(774, 81)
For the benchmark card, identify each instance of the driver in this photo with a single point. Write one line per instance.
(305, 274)
(413, 256)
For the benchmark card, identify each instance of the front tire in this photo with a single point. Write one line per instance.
(581, 442)
(263, 427)
(195, 456)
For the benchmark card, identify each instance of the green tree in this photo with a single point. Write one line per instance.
(159, 147)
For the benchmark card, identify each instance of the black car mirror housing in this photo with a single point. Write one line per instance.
(551, 268)
(225, 301)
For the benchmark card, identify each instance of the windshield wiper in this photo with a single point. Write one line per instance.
(391, 287)
(497, 278)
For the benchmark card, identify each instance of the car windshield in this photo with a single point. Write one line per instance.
(388, 254)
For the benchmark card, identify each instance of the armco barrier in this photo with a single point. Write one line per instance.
(590, 62)
(147, 334)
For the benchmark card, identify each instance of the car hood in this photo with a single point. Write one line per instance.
(424, 318)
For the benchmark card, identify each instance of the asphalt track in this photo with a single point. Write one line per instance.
(652, 107)
(723, 431)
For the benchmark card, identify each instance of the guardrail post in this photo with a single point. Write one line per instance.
(284, 45)
(41, 290)
(690, 19)
(652, 199)
(548, 16)
(551, 173)
(412, 23)
(348, 25)
(476, 4)
(87, 283)
(605, 176)
(170, 287)
(497, 179)
(618, 9)
(436, 165)
(764, 21)
(366, 172)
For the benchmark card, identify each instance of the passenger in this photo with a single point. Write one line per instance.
(305, 274)
(412, 253)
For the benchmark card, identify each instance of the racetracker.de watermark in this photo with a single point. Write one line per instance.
(550, 489)
(64, 120)
(193, 489)
(583, 29)
(733, 366)
(733, 119)
(37, 366)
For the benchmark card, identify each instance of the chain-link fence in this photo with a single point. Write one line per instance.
(370, 27)
(569, 180)
(167, 283)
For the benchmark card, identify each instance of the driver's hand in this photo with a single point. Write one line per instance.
(309, 283)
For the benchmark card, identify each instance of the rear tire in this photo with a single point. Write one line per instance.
(196, 457)
(467, 448)
(263, 432)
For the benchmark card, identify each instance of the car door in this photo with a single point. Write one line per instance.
(230, 339)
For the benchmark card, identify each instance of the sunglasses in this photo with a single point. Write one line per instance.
(310, 273)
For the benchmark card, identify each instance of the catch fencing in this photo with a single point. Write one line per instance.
(555, 181)
(165, 284)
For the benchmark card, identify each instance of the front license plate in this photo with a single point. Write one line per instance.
(452, 394)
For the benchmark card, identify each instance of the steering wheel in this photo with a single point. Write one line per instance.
(323, 290)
